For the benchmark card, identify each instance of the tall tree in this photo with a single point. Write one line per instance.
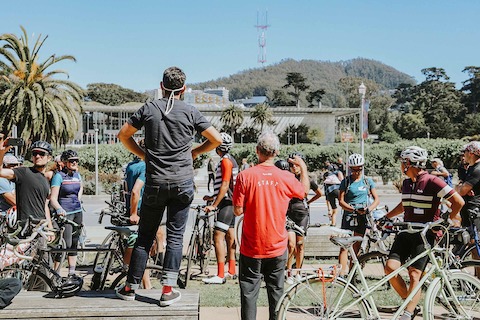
(349, 87)
(315, 97)
(232, 119)
(471, 88)
(261, 115)
(113, 94)
(298, 82)
(280, 99)
(42, 107)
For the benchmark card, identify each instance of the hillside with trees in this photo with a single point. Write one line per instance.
(319, 75)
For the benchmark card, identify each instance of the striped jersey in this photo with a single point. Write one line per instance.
(421, 199)
(227, 170)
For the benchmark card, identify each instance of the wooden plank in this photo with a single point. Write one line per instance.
(318, 244)
(100, 305)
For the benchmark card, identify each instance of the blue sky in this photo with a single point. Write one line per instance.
(130, 43)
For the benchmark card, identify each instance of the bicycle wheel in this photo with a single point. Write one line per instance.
(471, 267)
(57, 259)
(462, 303)
(154, 273)
(193, 252)
(238, 231)
(106, 243)
(206, 248)
(38, 282)
(313, 298)
(81, 255)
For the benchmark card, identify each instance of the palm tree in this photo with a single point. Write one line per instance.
(42, 108)
(232, 119)
(262, 115)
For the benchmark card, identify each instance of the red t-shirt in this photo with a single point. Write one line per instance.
(264, 193)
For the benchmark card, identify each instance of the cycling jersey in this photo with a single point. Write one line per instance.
(68, 192)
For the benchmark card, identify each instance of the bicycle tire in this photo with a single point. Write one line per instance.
(238, 231)
(471, 267)
(60, 257)
(312, 298)
(442, 304)
(206, 249)
(81, 255)
(100, 256)
(154, 271)
(38, 282)
(193, 251)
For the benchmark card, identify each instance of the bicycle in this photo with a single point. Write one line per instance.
(34, 270)
(111, 261)
(199, 247)
(325, 295)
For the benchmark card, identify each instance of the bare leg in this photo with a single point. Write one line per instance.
(397, 282)
(291, 249)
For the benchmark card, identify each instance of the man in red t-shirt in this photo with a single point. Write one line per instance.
(262, 194)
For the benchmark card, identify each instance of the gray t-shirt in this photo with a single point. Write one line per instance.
(169, 139)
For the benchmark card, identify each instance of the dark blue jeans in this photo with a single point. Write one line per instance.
(250, 278)
(176, 198)
(9, 288)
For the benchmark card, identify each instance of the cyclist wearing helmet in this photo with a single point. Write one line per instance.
(226, 173)
(31, 186)
(7, 187)
(421, 195)
(355, 194)
(469, 189)
(170, 126)
(65, 198)
(298, 211)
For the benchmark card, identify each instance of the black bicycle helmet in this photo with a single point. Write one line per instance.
(70, 286)
(42, 145)
(282, 164)
(296, 153)
(69, 154)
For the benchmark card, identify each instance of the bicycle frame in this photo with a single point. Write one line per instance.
(365, 292)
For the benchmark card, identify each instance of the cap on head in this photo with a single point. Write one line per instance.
(227, 142)
(356, 160)
(416, 155)
(41, 145)
(473, 147)
(9, 159)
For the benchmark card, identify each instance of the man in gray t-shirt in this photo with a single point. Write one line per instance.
(169, 125)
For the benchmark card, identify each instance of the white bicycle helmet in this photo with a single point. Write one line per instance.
(417, 156)
(12, 217)
(356, 160)
(227, 142)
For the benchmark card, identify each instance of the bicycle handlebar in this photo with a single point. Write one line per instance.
(40, 229)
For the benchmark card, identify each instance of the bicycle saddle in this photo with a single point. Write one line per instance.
(124, 231)
(345, 242)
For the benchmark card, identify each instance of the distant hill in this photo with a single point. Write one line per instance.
(319, 74)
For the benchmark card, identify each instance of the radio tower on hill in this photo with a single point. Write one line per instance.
(262, 41)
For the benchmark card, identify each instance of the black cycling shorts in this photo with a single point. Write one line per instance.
(408, 245)
(225, 217)
(356, 223)
(332, 197)
(298, 214)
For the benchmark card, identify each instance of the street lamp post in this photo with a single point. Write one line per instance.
(96, 161)
(362, 90)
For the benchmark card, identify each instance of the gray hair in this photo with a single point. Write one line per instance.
(268, 143)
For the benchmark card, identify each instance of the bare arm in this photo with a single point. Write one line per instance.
(396, 211)
(10, 198)
(238, 211)
(54, 197)
(464, 188)
(457, 203)
(214, 139)
(134, 199)
(125, 135)
(221, 194)
(343, 203)
(376, 200)
(318, 194)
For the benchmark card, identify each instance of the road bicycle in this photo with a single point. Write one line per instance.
(325, 295)
(200, 246)
(35, 270)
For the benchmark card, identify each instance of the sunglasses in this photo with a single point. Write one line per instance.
(73, 160)
(356, 169)
(39, 153)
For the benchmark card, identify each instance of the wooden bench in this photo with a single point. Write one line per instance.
(100, 305)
